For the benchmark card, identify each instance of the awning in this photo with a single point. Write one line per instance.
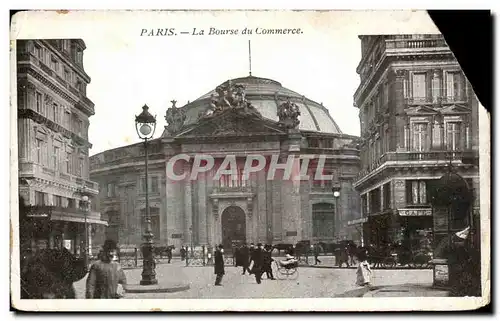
(358, 221)
(69, 218)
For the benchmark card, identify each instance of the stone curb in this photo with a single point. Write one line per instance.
(157, 288)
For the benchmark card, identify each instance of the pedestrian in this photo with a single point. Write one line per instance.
(183, 253)
(219, 264)
(267, 258)
(364, 272)
(169, 253)
(245, 258)
(258, 263)
(316, 250)
(106, 277)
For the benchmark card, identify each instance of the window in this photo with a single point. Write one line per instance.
(420, 136)
(68, 163)
(67, 119)
(57, 200)
(387, 196)
(364, 205)
(80, 166)
(453, 136)
(454, 86)
(39, 98)
(39, 146)
(67, 75)
(39, 198)
(323, 220)
(436, 85)
(79, 56)
(375, 201)
(154, 184)
(419, 89)
(385, 93)
(416, 192)
(39, 52)
(71, 203)
(54, 64)
(111, 190)
(55, 157)
(55, 112)
(80, 126)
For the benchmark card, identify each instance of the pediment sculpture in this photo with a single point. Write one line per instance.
(288, 114)
(230, 96)
(175, 118)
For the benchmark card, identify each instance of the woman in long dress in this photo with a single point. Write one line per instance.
(364, 272)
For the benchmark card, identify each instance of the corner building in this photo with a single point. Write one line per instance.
(53, 147)
(241, 117)
(419, 116)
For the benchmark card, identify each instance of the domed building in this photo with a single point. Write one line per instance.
(250, 161)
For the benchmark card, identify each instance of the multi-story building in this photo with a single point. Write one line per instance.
(53, 121)
(242, 117)
(419, 116)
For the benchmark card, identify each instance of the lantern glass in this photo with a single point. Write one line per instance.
(336, 194)
(145, 129)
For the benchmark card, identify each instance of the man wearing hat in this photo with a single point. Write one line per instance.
(219, 264)
(106, 275)
(258, 262)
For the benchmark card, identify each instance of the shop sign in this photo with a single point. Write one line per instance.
(177, 236)
(291, 233)
(358, 221)
(415, 212)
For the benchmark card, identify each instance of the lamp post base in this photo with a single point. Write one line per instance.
(148, 266)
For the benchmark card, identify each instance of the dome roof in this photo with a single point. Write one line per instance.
(265, 95)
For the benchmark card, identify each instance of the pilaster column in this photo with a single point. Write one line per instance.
(188, 209)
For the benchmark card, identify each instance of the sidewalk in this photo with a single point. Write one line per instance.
(406, 290)
(170, 277)
(402, 290)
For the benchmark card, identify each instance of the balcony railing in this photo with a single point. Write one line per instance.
(29, 170)
(437, 100)
(414, 43)
(417, 156)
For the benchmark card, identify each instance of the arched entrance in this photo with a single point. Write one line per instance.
(233, 226)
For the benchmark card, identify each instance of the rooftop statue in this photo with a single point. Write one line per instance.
(230, 96)
(288, 114)
(175, 118)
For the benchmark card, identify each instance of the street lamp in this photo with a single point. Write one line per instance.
(145, 125)
(336, 195)
(85, 204)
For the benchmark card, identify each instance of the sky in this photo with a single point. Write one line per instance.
(128, 70)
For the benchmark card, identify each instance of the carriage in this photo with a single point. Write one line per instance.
(287, 269)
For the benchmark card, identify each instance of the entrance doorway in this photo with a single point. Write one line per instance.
(233, 227)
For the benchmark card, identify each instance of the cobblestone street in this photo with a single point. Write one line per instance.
(310, 283)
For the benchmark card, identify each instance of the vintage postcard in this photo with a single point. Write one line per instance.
(245, 161)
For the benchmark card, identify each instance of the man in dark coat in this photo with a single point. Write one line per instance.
(257, 258)
(105, 275)
(267, 259)
(245, 258)
(219, 264)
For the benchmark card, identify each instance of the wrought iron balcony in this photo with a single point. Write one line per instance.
(466, 157)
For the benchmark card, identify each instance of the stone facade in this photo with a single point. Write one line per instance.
(418, 115)
(53, 147)
(209, 210)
